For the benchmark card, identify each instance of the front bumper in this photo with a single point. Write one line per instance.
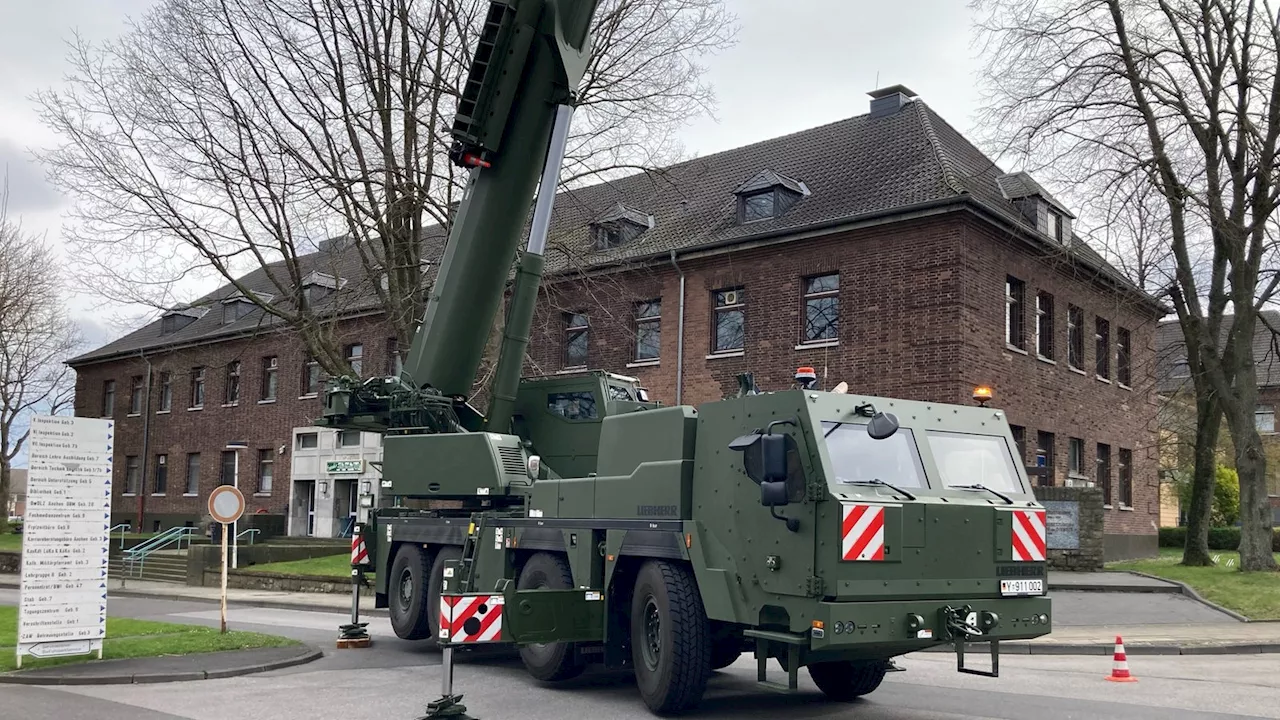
(903, 627)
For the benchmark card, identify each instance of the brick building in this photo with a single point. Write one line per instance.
(884, 250)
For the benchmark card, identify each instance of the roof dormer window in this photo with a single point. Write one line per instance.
(317, 285)
(233, 310)
(619, 226)
(767, 195)
(178, 318)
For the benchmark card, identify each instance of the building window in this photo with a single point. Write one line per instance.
(166, 391)
(135, 395)
(575, 339)
(1044, 325)
(821, 308)
(1014, 295)
(308, 441)
(233, 383)
(193, 473)
(197, 387)
(1044, 455)
(1020, 443)
(1126, 477)
(160, 485)
(758, 206)
(266, 470)
(1123, 371)
(1104, 472)
(1053, 224)
(1075, 337)
(355, 358)
(1102, 338)
(1181, 369)
(349, 438)
(648, 329)
(132, 475)
(729, 327)
(1075, 456)
(227, 473)
(270, 377)
(395, 359)
(310, 376)
(1264, 418)
(109, 398)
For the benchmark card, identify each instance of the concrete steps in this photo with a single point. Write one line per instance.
(161, 566)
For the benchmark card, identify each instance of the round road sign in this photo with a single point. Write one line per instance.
(226, 504)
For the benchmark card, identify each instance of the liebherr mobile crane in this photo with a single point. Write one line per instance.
(584, 523)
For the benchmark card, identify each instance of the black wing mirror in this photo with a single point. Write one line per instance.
(764, 457)
(882, 425)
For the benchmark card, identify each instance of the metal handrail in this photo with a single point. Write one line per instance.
(136, 557)
(122, 527)
(251, 532)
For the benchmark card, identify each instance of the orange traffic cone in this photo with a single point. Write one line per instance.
(1120, 665)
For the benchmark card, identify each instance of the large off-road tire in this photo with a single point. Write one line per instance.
(407, 593)
(670, 637)
(549, 662)
(434, 584)
(846, 680)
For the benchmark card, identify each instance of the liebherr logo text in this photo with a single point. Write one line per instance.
(655, 510)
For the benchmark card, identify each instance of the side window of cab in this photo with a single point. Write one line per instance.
(573, 405)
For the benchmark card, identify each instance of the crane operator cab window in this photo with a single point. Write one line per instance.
(969, 459)
(856, 457)
(573, 405)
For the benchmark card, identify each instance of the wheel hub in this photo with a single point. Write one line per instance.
(652, 646)
(406, 588)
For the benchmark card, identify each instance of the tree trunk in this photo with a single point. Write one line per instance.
(1255, 506)
(4, 494)
(1204, 478)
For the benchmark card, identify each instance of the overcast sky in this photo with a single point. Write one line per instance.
(797, 64)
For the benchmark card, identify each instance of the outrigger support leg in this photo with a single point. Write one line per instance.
(354, 634)
(449, 705)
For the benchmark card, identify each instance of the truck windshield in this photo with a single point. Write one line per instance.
(968, 459)
(856, 457)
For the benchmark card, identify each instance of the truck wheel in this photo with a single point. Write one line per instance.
(670, 637)
(407, 593)
(434, 585)
(549, 662)
(844, 680)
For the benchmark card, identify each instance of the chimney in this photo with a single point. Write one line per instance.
(889, 100)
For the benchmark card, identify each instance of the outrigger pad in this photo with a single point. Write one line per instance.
(449, 706)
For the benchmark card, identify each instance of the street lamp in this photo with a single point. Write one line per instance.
(236, 446)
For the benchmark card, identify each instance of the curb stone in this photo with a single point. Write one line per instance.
(19, 678)
(1130, 649)
(1186, 590)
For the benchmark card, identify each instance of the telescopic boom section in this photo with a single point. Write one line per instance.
(530, 58)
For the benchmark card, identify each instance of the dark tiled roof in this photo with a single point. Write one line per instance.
(854, 168)
(1172, 373)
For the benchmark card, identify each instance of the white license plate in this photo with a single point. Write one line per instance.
(1022, 587)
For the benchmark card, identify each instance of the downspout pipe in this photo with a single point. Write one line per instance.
(146, 444)
(679, 334)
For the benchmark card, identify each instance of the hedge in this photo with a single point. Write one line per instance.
(1222, 538)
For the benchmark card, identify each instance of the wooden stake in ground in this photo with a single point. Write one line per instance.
(226, 505)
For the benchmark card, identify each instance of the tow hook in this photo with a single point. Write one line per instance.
(962, 624)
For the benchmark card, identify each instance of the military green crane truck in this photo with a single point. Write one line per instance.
(586, 524)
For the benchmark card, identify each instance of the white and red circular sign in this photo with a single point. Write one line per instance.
(226, 504)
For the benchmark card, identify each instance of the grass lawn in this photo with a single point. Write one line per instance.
(336, 566)
(1254, 595)
(11, 541)
(128, 638)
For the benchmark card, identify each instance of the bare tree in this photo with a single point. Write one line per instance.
(1177, 100)
(36, 335)
(223, 136)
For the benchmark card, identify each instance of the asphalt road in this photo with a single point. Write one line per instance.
(395, 679)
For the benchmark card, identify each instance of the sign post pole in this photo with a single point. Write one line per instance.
(226, 505)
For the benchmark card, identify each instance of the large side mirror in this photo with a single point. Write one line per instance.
(882, 425)
(764, 457)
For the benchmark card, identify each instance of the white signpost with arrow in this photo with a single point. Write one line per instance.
(63, 603)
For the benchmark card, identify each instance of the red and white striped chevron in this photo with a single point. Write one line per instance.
(471, 618)
(359, 554)
(861, 532)
(1028, 535)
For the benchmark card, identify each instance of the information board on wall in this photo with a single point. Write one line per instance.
(1062, 524)
(65, 543)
